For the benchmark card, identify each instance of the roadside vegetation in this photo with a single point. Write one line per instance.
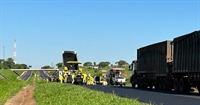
(9, 86)
(47, 93)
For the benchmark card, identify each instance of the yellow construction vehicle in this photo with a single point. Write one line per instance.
(72, 72)
(101, 80)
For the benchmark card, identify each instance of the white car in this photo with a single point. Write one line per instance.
(120, 81)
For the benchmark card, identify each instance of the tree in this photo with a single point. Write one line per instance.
(87, 64)
(121, 63)
(94, 63)
(59, 65)
(9, 64)
(103, 64)
(24, 66)
(10, 59)
(46, 67)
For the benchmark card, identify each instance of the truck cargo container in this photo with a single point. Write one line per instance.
(186, 63)
(169, 65)
(151, 64)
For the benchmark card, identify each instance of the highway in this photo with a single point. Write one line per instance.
(26, 75)
(149, 95)
(43, 75)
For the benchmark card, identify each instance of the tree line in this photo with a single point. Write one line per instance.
(9, 64)
(102, 64)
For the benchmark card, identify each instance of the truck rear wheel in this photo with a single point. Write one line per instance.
(176, 85)
(165, 84)
(183, 86)
(160, 84)
(133, 84)
(139, 80)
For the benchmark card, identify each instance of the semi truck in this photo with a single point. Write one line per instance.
(171, 64)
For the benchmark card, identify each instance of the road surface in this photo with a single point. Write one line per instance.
(43, 75)
(26, 75)
(149, 95)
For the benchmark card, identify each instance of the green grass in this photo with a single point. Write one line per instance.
(47, 93)
(9, 86)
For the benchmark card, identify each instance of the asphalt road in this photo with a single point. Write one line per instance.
(26, 75)
(43, 75)
(149, 95)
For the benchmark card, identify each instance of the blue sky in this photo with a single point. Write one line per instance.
(99, 30)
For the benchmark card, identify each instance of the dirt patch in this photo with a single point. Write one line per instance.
(23, 97)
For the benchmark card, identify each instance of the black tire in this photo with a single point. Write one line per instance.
(176, 85)
(120, 85)
(165, 84)
(139, 81)
(132, 81)
(183, 86)
(133, 84)
(160, 84)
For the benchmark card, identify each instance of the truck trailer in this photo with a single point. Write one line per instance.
(169, 64)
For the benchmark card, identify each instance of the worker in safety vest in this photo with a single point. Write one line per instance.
(84, 76)
(66, 73)
(61, 78)
(89, 79)
(73, 75)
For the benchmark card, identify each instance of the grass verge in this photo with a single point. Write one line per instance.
(9, 86)
(47, 93)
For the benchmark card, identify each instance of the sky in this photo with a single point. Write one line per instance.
(99, 30)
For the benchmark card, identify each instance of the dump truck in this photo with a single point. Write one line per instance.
(171, 64)
(72, 73)
(114, 76)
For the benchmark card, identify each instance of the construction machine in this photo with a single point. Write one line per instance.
(115, 76)
(72, 73)
(101, 80)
